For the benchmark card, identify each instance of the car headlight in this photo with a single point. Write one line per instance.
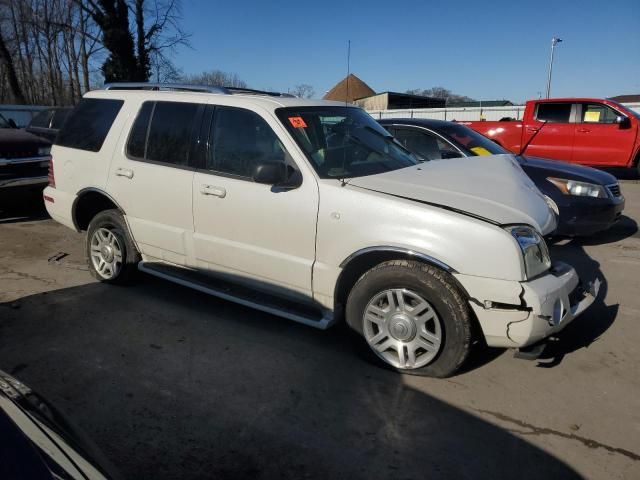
(579, 189)
(534, 250)
(42, 151)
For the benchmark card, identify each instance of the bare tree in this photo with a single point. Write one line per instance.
(112, 16)
(52, 51)
(440, 92)
(303, 90)
(12, 78)
(215, 78)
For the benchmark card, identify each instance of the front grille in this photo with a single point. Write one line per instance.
(615, 189)
(21, 170)
(22, 153)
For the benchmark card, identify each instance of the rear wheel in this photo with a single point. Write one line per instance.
(412, 317)
(111, 254)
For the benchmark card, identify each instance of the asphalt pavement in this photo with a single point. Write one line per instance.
(171, 383)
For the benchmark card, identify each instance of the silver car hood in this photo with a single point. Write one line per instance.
(493, 188)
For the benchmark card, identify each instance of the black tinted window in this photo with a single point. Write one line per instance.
(138, 136)
(554, 112)
(89, 123)
(59, 117)
(170, 132)
(241, 139)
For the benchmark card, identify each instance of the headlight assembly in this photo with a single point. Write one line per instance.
(579, 189)
(534, 250)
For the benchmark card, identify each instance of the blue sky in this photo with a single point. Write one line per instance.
(486, 50)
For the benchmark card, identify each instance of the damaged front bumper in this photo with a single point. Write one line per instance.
(518, 314)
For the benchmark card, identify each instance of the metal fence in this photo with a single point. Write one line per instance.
(465, 114)
(21, 114)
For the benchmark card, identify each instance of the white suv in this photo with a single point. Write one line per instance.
(312, 211)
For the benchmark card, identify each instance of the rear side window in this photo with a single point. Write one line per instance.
(89, 123)
(553, 112)
(170, 132)
(138, 136)
(162, 132)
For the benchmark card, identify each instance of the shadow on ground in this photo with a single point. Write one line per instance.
(171, 383)
(587, 328)
(18, 205)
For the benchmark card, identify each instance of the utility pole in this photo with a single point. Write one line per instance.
(554, 41)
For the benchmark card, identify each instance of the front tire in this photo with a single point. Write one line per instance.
(111, 254)
(412, 317)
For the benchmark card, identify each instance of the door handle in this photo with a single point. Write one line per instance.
(124, 172)
(213, 190)
(532, 129)
(583, 130)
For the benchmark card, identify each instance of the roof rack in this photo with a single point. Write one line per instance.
(191, 88)
(251, 91)
(164, 86)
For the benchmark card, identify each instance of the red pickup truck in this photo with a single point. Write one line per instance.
(588, 131)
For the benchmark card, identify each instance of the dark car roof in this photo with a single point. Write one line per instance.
(533, 166)
(416, 122)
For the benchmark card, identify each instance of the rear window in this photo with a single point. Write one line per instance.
(553, 112)
(59, 117)
(89, 123)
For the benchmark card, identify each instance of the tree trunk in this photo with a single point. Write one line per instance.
(12, 78)
(84, 56)
(143, 54)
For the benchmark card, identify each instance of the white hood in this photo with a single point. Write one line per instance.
(492, 187)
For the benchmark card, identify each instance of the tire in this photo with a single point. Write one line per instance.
(412, 318)
(111, 255)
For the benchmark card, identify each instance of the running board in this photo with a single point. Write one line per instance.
(248, 297)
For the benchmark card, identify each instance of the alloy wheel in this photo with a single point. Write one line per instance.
(402, 328)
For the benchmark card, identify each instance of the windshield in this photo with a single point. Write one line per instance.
(471, 141)
(344, 142)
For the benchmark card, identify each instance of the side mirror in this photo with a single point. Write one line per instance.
(623, 122)
(270, 173)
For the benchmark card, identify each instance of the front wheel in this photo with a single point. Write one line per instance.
(111, 254)
(412, 317)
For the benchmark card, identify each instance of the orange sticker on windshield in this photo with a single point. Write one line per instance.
(297, 122)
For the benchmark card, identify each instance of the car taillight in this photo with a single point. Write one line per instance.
(50, 174)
